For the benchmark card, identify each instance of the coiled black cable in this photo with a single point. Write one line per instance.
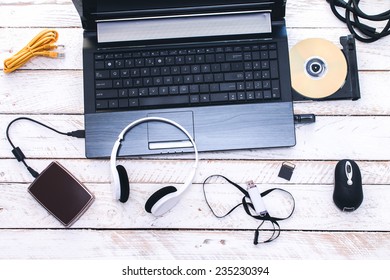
(362, 32)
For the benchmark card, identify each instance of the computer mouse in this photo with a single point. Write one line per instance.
(348, 189)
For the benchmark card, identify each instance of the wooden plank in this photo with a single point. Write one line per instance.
(330, 138)
(192, 245)
(42, 92)
(39, 15)
(63, 94)
(12, 40)
(63, 14)
(174, 171)
(20, 210)
(300, 13)
(374, 93)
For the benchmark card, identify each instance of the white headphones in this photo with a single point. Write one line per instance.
(162, 200)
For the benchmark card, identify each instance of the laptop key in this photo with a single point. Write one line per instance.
(272, 46)
(234, 57)
(109, 64)
(237, 66)
(133, 102)
(241, 96)
(273, 54)
(250, 95)
(267, 94)
(214, 88)
(210, 58)
(266, 84)
(275, 89)
(123, 103)
(103, 84)
(113, 103)
(218, 97)
(102, 74)
(232, 96)
(123, 93)
(194, 98)
(227, 86)
(99, 56)
(204, 98)
(101, 104)
(234, 76)
(274, 69)
(259, 94)
(99, 64)
(164, 100)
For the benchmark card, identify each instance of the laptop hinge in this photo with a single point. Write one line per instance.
(184, 26)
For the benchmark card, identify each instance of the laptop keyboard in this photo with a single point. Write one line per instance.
(186, 77)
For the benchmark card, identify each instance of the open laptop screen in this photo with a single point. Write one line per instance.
(92, 10)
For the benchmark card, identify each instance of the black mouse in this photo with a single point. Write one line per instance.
(348, 189)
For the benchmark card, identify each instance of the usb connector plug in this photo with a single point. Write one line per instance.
(256, 199)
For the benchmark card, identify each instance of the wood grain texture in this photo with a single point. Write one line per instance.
(329, 138)
(61, 13)
(191, 245)
(20, 210)
(174, 170)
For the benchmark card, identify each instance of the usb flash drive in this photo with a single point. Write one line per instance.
(256, 198)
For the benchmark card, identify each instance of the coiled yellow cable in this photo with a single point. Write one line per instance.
(42, 45)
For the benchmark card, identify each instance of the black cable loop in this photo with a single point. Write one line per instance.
(18, 152)
(355, 26)
(246, 203)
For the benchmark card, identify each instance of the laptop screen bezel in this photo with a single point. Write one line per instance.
(91, 11)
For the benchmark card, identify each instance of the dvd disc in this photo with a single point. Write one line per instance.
(318, 68)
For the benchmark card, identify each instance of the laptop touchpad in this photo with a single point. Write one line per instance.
(166, 136)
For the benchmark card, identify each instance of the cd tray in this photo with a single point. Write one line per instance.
(350, 90)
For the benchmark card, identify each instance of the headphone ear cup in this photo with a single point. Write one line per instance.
(157, 196)
(124, 183)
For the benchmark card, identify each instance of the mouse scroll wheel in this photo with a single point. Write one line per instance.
(348, 172)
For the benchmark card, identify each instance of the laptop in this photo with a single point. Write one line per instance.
(220, 68)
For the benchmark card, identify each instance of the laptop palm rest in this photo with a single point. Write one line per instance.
(244, 126)
(166, 136)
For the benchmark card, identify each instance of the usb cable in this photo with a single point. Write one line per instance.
(18, 152)
(42, 44)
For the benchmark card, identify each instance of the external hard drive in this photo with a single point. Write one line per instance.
(61, 194)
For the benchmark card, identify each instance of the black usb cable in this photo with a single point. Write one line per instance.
(366, 33)
(18, 152)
